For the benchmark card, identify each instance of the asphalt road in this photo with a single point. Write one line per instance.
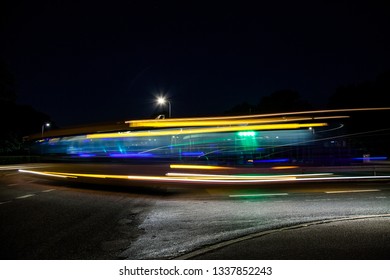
(42, 218)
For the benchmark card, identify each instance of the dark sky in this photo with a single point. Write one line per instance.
(106, 60)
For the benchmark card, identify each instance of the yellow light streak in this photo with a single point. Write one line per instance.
(194, 166)
(230, 177)
(221, 122)
(195, 122)
(205, 178)
(151, 133)
(202, 180)
(263, 115)
(248, 177)
(284, 167)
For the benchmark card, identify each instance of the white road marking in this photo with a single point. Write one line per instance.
(320, 199)
(354, 191)
(4, 202)
(50, 190)
(25, 196)
(257, 195)
(11, 185)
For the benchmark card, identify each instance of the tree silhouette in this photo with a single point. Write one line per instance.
(366, 94)
(16, 120)
(278, 102)
(371, 128)
(242, 109)
(283, 101)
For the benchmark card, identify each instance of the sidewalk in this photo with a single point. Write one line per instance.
(352, 239)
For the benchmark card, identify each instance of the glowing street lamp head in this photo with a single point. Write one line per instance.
(47, 124)
(161, 100)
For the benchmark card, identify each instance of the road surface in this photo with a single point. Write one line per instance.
(42, 218)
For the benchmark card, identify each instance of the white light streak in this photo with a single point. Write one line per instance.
(353, 191)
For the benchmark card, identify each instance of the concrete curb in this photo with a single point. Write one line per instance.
(267, 232)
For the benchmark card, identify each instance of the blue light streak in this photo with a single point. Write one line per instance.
(131, 155)
(271, 160)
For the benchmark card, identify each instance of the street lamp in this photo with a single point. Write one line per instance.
(45, 125)
(161, 101)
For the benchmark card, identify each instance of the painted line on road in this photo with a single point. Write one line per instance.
(50, 190)
(320, 199)
(11, 185)
(25, 196)
(353, 191)
(257, 195)
(4, 202)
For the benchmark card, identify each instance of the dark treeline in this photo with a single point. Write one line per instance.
(371, 130)
(16, 120)
(362, 95)
(279, 101)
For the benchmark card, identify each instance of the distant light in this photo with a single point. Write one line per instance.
(246, 133)
(47, 124)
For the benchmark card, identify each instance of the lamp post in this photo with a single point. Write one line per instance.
(43, 127)
(161, 101)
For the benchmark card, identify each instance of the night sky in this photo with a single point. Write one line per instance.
(98, 61)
